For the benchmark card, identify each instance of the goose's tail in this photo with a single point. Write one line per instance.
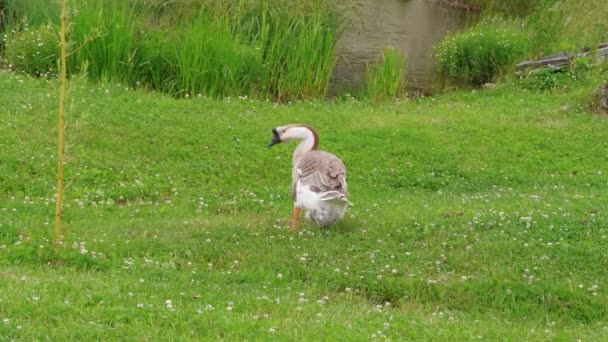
(336, 196)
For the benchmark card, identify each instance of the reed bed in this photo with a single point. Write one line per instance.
(104, 37)
(264, 49)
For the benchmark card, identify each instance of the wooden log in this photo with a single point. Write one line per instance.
(556, 61)
(602, 53)
(563, 59)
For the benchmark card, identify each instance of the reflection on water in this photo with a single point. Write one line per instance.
(410, 25)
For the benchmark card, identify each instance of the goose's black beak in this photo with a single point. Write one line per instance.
(275, 139)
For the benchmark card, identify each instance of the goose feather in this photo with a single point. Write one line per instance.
(323, 173)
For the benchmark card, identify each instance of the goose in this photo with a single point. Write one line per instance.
(318, 177)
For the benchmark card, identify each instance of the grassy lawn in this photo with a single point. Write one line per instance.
(476, 216)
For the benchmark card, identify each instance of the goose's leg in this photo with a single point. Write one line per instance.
(294, 223)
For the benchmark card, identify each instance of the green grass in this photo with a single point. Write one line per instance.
(476, 215)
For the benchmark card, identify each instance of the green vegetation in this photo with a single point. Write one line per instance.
(475, 214)
(35, 12)
(264, 49)
(384, 79)
(568, 25)
(103, 36)
(481, 53)
(215, 65)
(489, 50)
(34, 50)
(582, 70)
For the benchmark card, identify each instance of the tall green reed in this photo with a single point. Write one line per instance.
(267, 49)
(104, 36)
(297, 41)
(384, 80)
(206, 59)
(280, 51)
(196, 56)
(298, 54)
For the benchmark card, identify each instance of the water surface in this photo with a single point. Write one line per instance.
(413, 26)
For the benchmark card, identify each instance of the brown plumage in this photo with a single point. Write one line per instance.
(321, 171)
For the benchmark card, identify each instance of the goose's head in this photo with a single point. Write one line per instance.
(294, 132)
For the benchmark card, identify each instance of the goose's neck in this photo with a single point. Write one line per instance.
(310, 141)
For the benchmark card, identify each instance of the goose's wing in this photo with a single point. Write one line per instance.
(322, 172)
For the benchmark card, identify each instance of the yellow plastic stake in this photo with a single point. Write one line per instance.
(61, 124)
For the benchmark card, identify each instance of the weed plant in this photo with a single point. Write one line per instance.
(481, 53)
(33, 50)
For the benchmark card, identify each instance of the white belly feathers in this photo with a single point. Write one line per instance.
(322, 208)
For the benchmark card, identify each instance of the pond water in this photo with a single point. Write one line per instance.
(413, 26)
